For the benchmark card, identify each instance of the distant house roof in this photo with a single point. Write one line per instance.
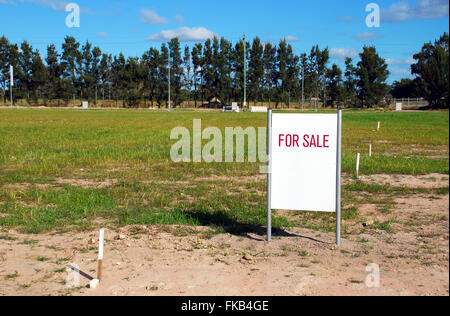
(214, 103)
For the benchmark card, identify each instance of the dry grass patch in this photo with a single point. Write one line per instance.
(84, 183)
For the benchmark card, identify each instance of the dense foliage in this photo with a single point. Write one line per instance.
(431, 68)
(213, 69)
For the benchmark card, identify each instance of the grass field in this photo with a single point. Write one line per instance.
(73, 170)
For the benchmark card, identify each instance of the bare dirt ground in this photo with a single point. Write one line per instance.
(159, 260)
(429, 181)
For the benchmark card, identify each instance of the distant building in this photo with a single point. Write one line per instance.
(215, 103)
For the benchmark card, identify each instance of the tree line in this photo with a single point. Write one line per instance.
(215, 69)
(431, 72)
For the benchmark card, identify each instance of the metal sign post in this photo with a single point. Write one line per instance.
(11, 82)
(313, 204)
(338, 178)
(303, 87)
(245, 74)
(169, 105)
(269, 175)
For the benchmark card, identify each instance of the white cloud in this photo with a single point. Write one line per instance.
(399, 62)
(366, 37)
(151, 17)
(402, 72)
(345, 18)
(184, 34)
(101, 34)
(53, 4)
(178, 19)
(56, 5)
(342, 52)
(421, 10)
(290, 38)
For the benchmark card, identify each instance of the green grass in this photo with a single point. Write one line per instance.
(40, 147)
(356, 282)
(42, 259)
(28, 242)
(303, 253)
(359, 186)
(12, 276)
(7, 238)
(386, 226)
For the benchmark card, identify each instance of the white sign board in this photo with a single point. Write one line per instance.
(11, 73)
(85, 105)
(304, 162)
(399, 107)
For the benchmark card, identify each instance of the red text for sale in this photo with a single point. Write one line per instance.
(303, 141)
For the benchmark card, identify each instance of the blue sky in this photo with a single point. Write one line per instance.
(133, 26)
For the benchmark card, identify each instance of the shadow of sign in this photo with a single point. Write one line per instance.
(83, 274)
(234, 227)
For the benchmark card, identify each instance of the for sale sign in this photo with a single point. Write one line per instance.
(304, 162)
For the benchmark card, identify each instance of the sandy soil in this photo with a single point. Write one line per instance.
(160, 260)
(425, 181)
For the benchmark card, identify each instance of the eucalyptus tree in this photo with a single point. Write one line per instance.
(14, 60)
(177, 73)
(225, 69)
(86, 79)
(405, 88)
(105, 70)
(432, 71)
(163, 76)
(197, 63)
(54, 73)
(350, 82)
(118, 77)
(318, 60)
(69, 61)
(95, 71)
(256, 70)
(270, 71)
(152, 60)
(25, 67)
(334, 86)
(133, 77)
(207, 71)
(39, 76)
(288, 69)
(293, 73)
(187, 67)
(4, 64)
(215, 86)
(372, 72)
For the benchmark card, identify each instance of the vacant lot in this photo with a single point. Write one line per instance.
(65, 173)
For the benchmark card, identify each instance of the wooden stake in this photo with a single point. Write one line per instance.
(100, 254)
(379, 126)
(99, 270)
(357, 165)
(370, 150)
